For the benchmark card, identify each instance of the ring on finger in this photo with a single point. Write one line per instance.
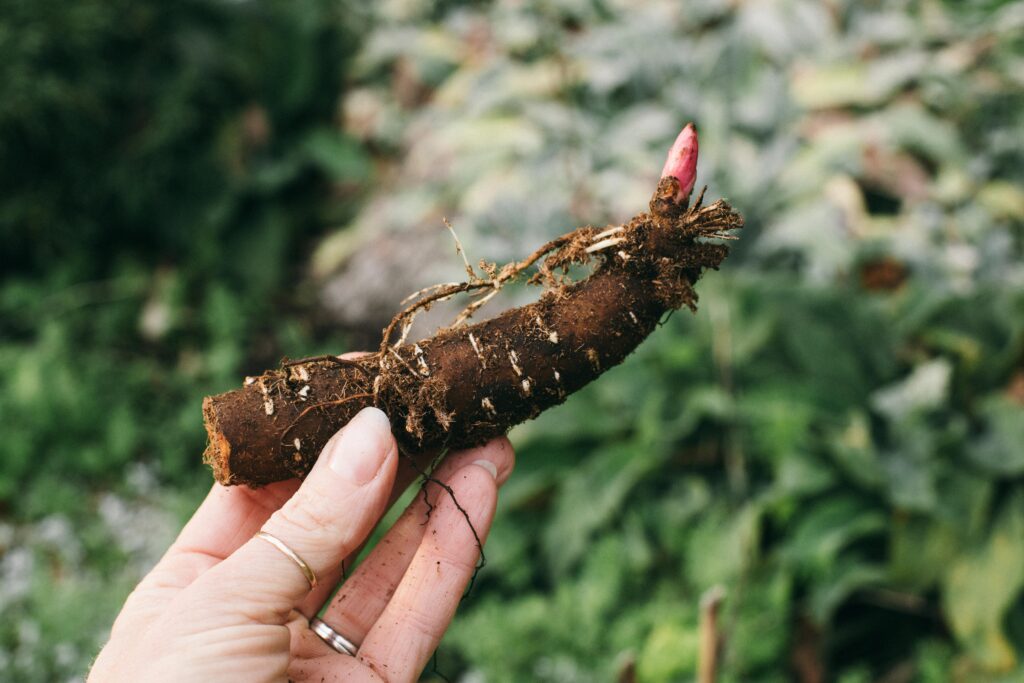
(306, 570)
(338, 642)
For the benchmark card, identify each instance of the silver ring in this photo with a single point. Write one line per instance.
(338, 642)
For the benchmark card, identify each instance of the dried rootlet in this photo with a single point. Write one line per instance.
(469, 383)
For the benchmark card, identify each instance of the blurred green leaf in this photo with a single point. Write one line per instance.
(840, 581)
(1001, 448)
(827, 528)
(669, 653)
(593, 497)
(920, 551)
(981, 584)
(722, 546)
(341, 158)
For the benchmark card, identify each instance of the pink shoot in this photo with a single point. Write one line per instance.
(682, 162)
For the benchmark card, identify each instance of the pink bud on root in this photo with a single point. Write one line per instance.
(682, 162)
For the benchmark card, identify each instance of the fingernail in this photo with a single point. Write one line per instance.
(359, 449)
(487, 465)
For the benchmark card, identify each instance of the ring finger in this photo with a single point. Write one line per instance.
(363, 596)
(409, 628)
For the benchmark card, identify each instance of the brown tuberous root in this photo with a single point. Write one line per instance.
(470, 383)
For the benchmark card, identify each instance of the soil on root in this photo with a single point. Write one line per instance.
(470, 383)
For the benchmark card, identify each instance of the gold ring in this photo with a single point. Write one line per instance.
(307, 571)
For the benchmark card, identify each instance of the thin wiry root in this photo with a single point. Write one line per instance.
(476, 349)
(401, 360)
(608, 233)
(427, 477)
(469, 310)
(317, 406)
(460, 250)
(337, 360)
(495, 280)
(425, 290)
(604, 244)
(575, 247)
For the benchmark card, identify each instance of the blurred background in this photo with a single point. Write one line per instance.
(191, 190)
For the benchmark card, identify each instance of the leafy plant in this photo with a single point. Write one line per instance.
(833, 438)
(166, 167)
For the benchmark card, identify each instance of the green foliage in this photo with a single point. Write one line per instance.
(834, 439)
(983, 583)
(166, 167)
(837, 520)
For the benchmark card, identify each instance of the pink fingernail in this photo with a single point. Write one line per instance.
(487, 465)
(358, 451)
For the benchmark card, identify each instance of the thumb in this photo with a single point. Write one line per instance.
(330, 515)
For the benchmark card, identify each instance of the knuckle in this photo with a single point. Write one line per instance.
(308, 517)
(458, 560)
(374, 665)
(420, 620)
(370, 583)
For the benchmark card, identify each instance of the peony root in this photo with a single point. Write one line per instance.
(470, 383)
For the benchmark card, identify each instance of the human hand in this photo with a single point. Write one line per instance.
(224, 606)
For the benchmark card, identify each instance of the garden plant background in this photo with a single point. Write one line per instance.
(190, 191)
